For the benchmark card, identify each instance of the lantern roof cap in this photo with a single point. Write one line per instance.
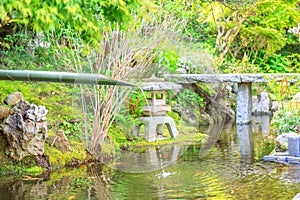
(153, 84)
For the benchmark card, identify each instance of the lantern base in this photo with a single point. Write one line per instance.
(154, 127)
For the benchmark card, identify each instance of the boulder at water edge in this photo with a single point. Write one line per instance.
(281, 142)
(25, 129)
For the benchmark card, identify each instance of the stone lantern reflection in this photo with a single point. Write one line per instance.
(155, 112)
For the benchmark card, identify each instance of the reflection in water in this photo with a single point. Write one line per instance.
(214, 130)
(27, 189)
(213, 135)
(246, 142)
(261, 124)
(23, 190)
(292, 173)
(151, 159)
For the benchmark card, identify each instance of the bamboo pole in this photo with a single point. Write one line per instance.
(61, 77)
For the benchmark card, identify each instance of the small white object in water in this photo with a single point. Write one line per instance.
(165, 174)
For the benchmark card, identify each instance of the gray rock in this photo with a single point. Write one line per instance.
(25, 129)
(261, 104)
(281, 142)
(59, 141)
(254, 104)
(13, 98)
(264, 102)
(36, 113)
(274, 106)
(180, 71)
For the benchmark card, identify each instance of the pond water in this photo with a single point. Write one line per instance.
(227, 166)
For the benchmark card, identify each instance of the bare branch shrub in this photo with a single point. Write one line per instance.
(125, 55)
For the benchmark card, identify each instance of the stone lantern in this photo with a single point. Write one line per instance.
(155, 112)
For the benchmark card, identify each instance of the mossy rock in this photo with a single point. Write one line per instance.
(61, 159)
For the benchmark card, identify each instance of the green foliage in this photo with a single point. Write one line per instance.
(117, 135)
(136, 100)
(19, 170)
(79, 182)
(282, 90)
(82, 16)
(27, 166)
(132, 109)
(277, 15)
(292, 46)
(188, 98)
(168, 59)
(175, 116)
(287, 117)
(34, 170)
(286, 121)
(72, 129)
(268, 147)
(261, 38)
(294, 60)
(263, 34)
(259, 45)
(273, 64)
(189, 12)
(22, 56)
(243, 65)
(108, 149)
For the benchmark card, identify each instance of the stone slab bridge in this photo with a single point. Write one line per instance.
(244, 82)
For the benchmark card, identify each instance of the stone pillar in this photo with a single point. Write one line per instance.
(244, 103)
